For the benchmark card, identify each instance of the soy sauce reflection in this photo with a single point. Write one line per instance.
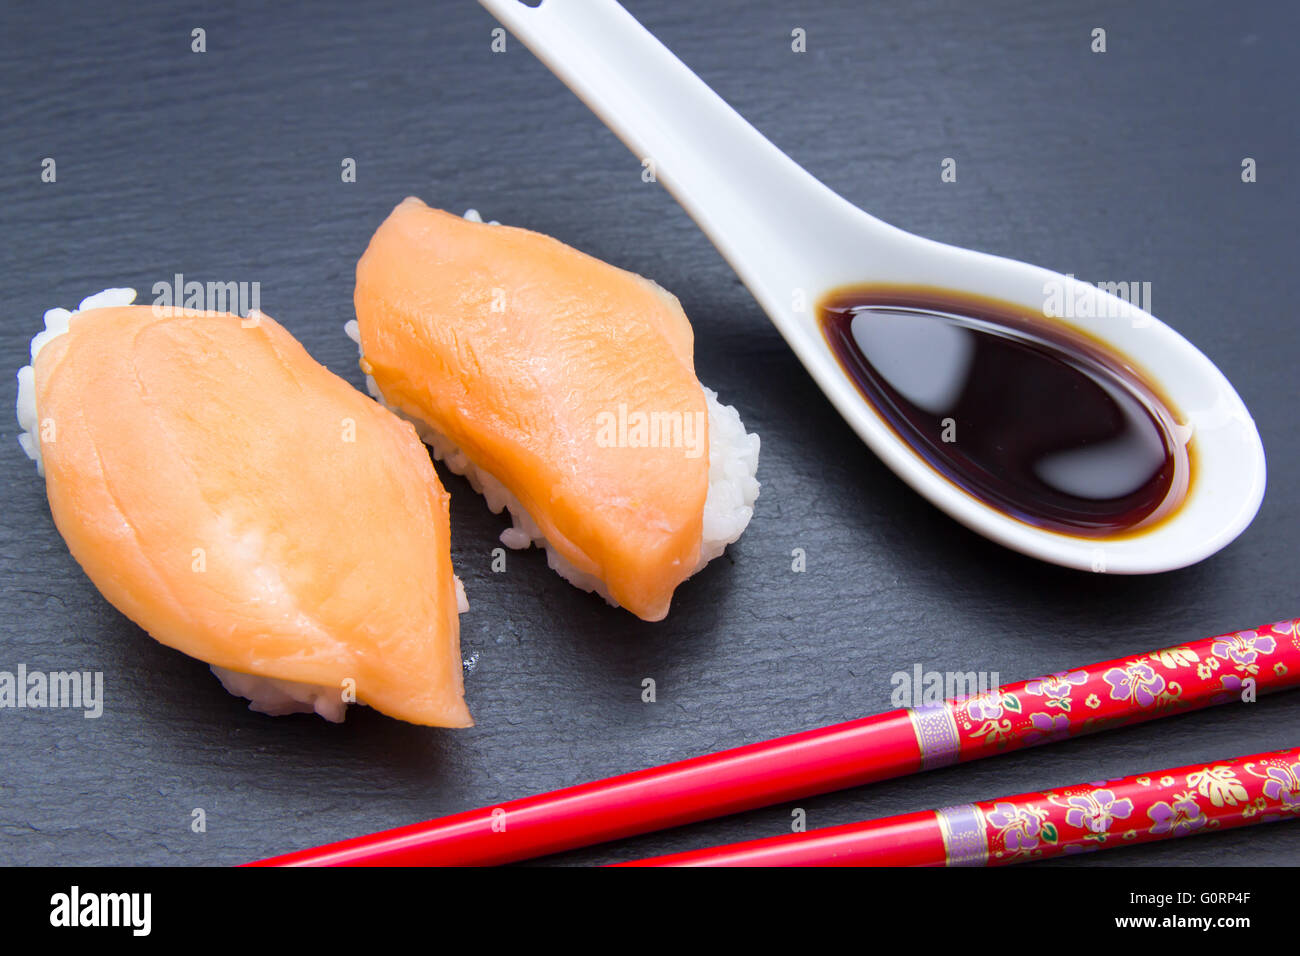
(1026, 414)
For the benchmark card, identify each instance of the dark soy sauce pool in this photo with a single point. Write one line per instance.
(1036, 419)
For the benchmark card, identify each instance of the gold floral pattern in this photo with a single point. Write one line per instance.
(1185, 801)
(1220, 784)
(1216, 670)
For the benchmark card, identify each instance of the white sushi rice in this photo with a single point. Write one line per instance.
(266, 695)
(728, 506)
(56, 323)
(278, 698)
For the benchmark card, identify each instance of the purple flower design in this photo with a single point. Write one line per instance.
(1056, 685)
(1136, 681)
(1182, 817)
(1096, 811)
(1018, 827)
(1231, 684)
(1284, 786)
(986, 706)
(1243, 648)
(1048, 727)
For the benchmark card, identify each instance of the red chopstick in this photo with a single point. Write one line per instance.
(1157, 805)
(1124, 691)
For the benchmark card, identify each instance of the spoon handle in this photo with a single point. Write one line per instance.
(748, 197)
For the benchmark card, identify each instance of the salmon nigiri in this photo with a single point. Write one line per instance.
(565, 389)
(248, 507)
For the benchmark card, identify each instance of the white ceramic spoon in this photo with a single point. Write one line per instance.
(786, 234)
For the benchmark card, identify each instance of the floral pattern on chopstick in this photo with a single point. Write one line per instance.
(1143, 808)
(1216, 670)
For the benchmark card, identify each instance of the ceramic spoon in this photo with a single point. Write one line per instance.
(788, 235)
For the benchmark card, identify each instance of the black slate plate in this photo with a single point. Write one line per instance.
(226, 165)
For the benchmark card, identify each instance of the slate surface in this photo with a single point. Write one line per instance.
(226, 165)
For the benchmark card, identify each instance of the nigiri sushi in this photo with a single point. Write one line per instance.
(564, 388)
(248, 507)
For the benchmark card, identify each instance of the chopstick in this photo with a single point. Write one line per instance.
(1157, 805)
(1127, 690)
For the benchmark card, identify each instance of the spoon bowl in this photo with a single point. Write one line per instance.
(792, 240)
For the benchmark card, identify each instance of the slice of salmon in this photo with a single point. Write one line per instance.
(248, 507)
(568, 380)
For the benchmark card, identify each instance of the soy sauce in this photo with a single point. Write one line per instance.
(1024, 413)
